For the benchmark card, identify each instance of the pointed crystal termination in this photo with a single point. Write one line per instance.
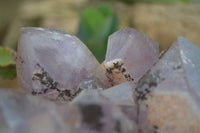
(169, 94)
(130, 54)
(52, 63)
(99, 115)
(121, 95)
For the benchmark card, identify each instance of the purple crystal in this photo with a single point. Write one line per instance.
(52, 63)
(168, 95)
(21, 113)
(89, 112)
(57, 65)
(129, 55)
(99, 115)
(120, 94)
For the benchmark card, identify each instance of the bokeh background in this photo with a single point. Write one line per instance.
(93, 21)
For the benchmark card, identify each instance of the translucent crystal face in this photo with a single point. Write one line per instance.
(120, 94)
(169, 87)
(53, 63)
(129, 55)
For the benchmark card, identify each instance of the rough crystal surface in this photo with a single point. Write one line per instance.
(51, 62)
(129, 55)
(91, 83)
(168, 95)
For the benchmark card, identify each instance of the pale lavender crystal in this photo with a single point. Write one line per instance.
(4, 128)
(99, 115)
(129, 55)
(52, 63)
(89, 112)
(21, 113)
(169, 94)
(120, 94)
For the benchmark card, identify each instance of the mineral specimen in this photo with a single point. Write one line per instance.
(129, 55)
(168, 96)
(52, 63)
(57, 65)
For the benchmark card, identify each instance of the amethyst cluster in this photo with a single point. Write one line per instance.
(53, 63)
(133, 91)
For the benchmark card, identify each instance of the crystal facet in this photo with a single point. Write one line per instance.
(120, 94)
(99, 115)
(168, 95)
(129, 55)
(52, 63)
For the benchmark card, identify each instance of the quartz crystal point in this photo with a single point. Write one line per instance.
(99, 115)
(52, 63)
(121, 95)
(21, 113)
(168, 96)
(129, 55)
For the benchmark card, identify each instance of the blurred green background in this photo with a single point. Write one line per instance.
(93, 21)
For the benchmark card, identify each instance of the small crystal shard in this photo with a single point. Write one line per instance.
(120, 94)
(168, 95)
(129, 55)
(53, 63)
